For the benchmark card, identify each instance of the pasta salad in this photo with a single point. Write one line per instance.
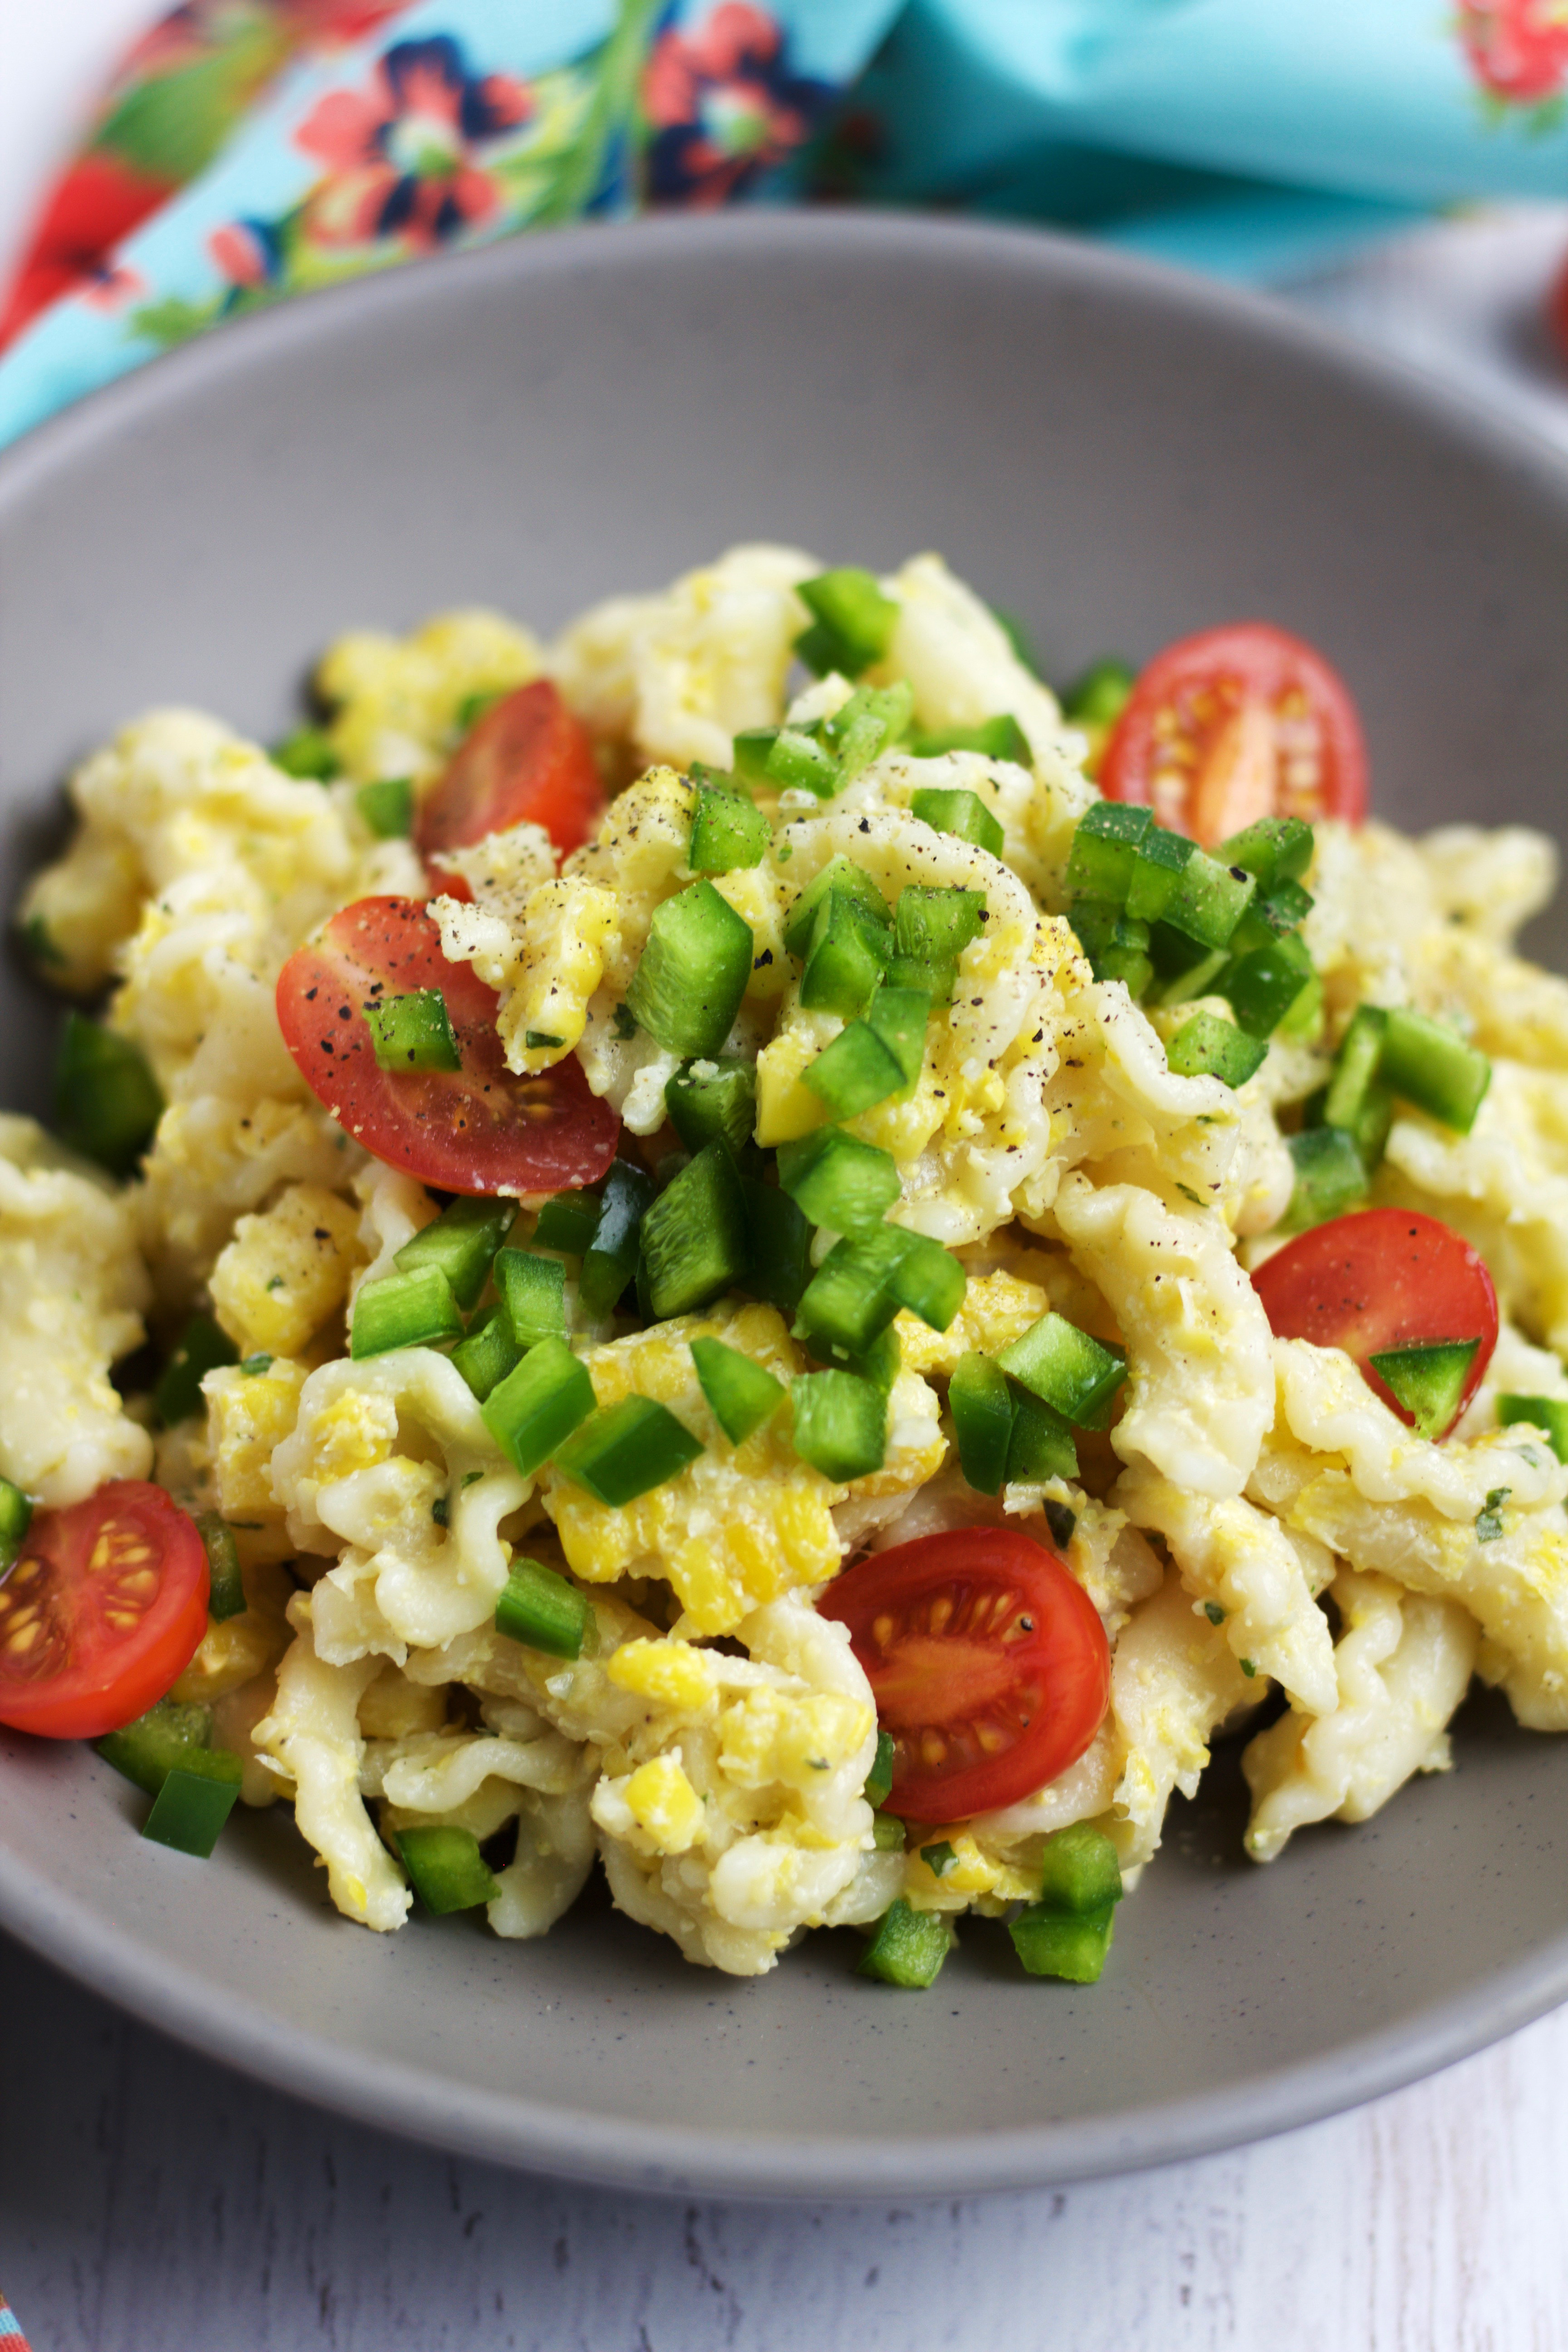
(748, 1247)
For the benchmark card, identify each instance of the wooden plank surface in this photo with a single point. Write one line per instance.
(152, 2203)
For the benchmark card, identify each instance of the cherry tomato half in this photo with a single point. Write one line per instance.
(101, 1612)
(1235, 724)
(479, 1128)
(528, 758)
(987, 1661)
(1382, 1278)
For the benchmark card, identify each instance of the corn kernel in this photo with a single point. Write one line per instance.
(997, 1309)
(287, 1271)
(571, 929)
(711, 1595)
(671, 1672)
(786, 1108)
(768, 1736)
(249, 1415)
(735, 1529)
(664, 1804)
(355, 1432)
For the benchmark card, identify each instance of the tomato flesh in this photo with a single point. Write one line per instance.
(100, 1613)
(529, 758)
(1382, 1278)
(1235, 724)
(479, 1128)
(990, 1668)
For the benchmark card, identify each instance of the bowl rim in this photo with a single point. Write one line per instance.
(574, 2143)
(587, 247)
(580, 2144)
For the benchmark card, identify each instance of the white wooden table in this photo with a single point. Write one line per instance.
(152, 2203)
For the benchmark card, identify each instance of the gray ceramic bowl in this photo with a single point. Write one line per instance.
(1120, 456)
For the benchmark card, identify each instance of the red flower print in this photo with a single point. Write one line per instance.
(196, 31)
(401, 156)
(337, 24)
(169, 106)
(248, 252)
(111, 287)
(89, 208)
(724, 105)
(1518, 49)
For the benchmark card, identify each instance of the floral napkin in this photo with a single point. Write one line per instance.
(252, 149)
(249, 149)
